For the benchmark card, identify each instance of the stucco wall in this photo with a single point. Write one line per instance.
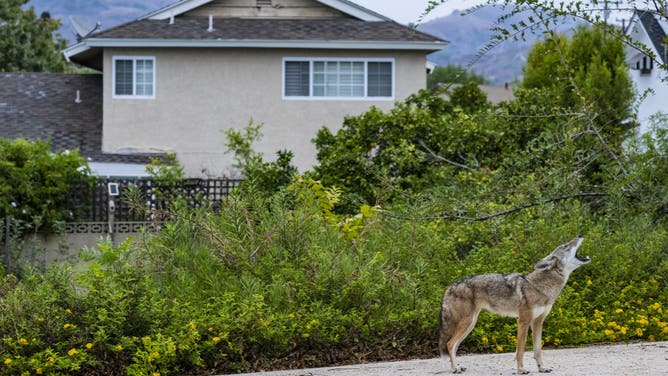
(200, 92)
(654, 102)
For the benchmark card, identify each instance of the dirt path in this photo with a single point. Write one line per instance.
(646, 358)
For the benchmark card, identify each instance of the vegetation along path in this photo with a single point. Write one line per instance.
(641, 358)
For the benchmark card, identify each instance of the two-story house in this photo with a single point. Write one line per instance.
(650, 30)
(175, 79)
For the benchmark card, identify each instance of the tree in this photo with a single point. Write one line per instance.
(453, 74)
(29, 43)
(587, 70)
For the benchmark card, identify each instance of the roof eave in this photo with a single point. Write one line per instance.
(254, 43)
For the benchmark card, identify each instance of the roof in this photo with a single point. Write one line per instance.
(656, 34)
(161, 29)
(44, 106)
(346, 29)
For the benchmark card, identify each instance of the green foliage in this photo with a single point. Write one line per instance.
(453, 74)
(35, 183)
(166, 170)
(586, 73)
(261, 176)
(469, 97)
(28, 43)
(277, 282)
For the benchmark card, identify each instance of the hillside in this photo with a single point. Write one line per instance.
(470, 33)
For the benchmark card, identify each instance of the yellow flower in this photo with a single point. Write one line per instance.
(619, 310)
(23, 341)
(156, 373)
(210, 329)
(68, 311)
(66, 326)
(589, 282)
(38, 371)
(499, 348)
(216, 339)
(89, 345)
(72, 352)
(8, 361)
(192, 325)
(639, 332)
(119, 348)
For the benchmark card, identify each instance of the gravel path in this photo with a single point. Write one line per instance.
(645, 358)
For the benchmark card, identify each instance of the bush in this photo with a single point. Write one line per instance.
(35, 183)
(274, 282)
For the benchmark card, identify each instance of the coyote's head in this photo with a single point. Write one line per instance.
(564, 257)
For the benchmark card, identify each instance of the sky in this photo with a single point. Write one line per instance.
(408, 11)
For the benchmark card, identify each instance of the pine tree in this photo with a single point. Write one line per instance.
(29, 43)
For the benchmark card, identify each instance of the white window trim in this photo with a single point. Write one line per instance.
(134, 77)
(311, 60)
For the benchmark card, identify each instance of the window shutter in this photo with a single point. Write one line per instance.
(124, 77)
(379, 79)
(297, 79)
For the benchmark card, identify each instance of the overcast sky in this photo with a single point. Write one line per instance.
(407, 11)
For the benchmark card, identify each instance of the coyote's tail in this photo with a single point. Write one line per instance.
(446, 330)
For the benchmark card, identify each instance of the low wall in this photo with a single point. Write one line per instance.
(42, 250)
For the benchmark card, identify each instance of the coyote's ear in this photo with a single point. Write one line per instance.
(546, 263)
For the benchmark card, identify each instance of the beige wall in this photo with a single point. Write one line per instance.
(279, 9)
(200, 92)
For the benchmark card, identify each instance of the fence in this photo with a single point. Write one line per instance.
(92, 204)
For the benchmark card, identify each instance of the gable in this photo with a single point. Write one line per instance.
(653, 31)
(266, 8)
(262, 9)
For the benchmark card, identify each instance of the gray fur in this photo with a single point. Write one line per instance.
(528, 297)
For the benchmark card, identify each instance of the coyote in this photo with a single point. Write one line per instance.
(529, 297)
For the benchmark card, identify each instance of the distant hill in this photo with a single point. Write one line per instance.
(470, 33)
(108, 12)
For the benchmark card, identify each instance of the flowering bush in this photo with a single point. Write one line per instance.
(278, 282)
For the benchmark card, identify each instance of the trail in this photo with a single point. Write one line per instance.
(643, 358)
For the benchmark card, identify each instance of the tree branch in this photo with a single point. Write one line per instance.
(520, 208)
(441, 158)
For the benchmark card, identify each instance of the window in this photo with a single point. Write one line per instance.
(134, 77)
(333, 78)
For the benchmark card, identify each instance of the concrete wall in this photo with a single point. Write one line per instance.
(201, 92)
(42, 250)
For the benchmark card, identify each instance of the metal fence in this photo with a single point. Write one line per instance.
(91, 204)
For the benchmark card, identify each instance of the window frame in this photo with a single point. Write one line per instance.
(313, 60)
(134, 60)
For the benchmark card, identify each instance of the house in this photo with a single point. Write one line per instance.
(648, 77)
(175, 79)
(65, 109)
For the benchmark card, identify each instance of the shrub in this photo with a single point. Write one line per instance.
(35, 183)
